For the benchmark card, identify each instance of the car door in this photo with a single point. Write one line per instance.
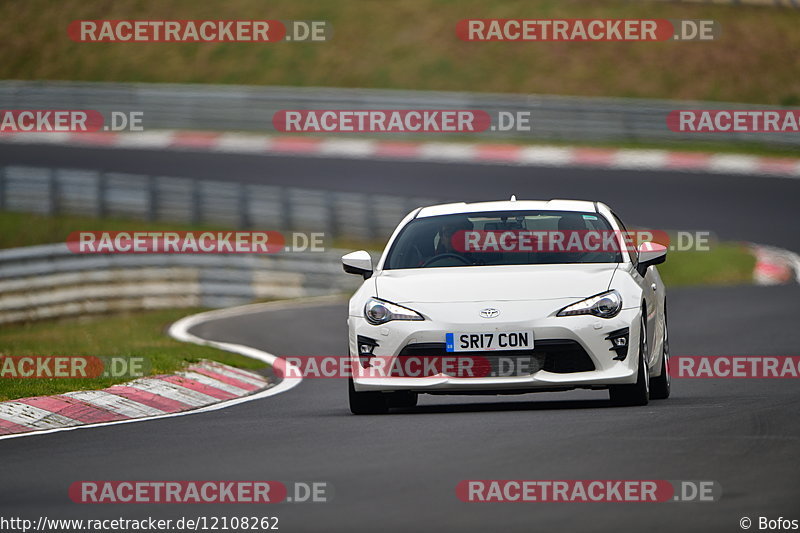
(652, 290)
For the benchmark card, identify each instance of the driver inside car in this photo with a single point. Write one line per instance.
(433, 245)
(446, 246)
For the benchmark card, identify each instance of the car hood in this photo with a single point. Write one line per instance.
(494, 283)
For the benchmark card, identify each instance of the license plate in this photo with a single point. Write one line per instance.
(489, 342)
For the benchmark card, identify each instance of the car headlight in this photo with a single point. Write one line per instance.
(379, 311)
(605, 305)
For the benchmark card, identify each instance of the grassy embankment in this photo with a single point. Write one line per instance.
(413, 45)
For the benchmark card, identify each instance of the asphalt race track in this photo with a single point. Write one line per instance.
(398, 472)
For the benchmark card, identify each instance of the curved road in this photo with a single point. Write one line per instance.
(398, 472)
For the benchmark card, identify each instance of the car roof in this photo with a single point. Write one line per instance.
(508, 205)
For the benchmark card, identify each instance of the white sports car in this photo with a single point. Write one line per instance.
(522, 296)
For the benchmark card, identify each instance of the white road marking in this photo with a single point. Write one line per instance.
(173, 391)
(215, 383)
(447, 151)
(347, 147)
(33, 417)
(39, 137)
(145, 139)
(239, 143)
(640, 159)
(735, 164)
(546, 155)
(255, 381)
(116, 404)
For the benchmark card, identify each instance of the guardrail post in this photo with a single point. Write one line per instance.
(244, 207)
(53, 192)
(152, 198)
(3, 188)
(333, 220)
(627, 128)
(287, 209)
(371, 222)
(102, 195)
(197, 200)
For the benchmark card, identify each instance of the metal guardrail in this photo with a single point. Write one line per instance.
(51, 191)
(250, 108)
(48, 281)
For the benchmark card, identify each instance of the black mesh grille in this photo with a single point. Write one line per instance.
(560, 356)
(564, 356)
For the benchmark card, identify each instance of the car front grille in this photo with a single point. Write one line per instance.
(560, 356)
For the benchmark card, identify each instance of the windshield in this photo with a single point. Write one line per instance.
(504, 238)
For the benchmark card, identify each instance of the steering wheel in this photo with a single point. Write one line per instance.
(438, 257)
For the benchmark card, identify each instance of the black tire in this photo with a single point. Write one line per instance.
(366, 403)
(636, 393)
(403, 399)
(661, 384)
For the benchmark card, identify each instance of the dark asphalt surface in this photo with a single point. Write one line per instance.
(398, 472)
(757, 209)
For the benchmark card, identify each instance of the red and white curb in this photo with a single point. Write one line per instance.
(202, 384)
(775, 266)
(490, 153)
(204, 387)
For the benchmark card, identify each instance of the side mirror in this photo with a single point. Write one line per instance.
(359, 263)
(650, 253)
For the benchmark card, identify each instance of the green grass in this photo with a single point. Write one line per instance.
(724, 264)
(412, 45)
(27, 229)
(141, 334)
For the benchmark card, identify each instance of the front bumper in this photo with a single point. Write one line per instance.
(588, 331)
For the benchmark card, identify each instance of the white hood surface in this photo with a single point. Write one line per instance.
(494, 283)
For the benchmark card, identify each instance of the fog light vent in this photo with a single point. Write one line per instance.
(619, 343)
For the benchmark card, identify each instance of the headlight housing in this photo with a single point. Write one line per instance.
(605, 305)
(378, 311)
